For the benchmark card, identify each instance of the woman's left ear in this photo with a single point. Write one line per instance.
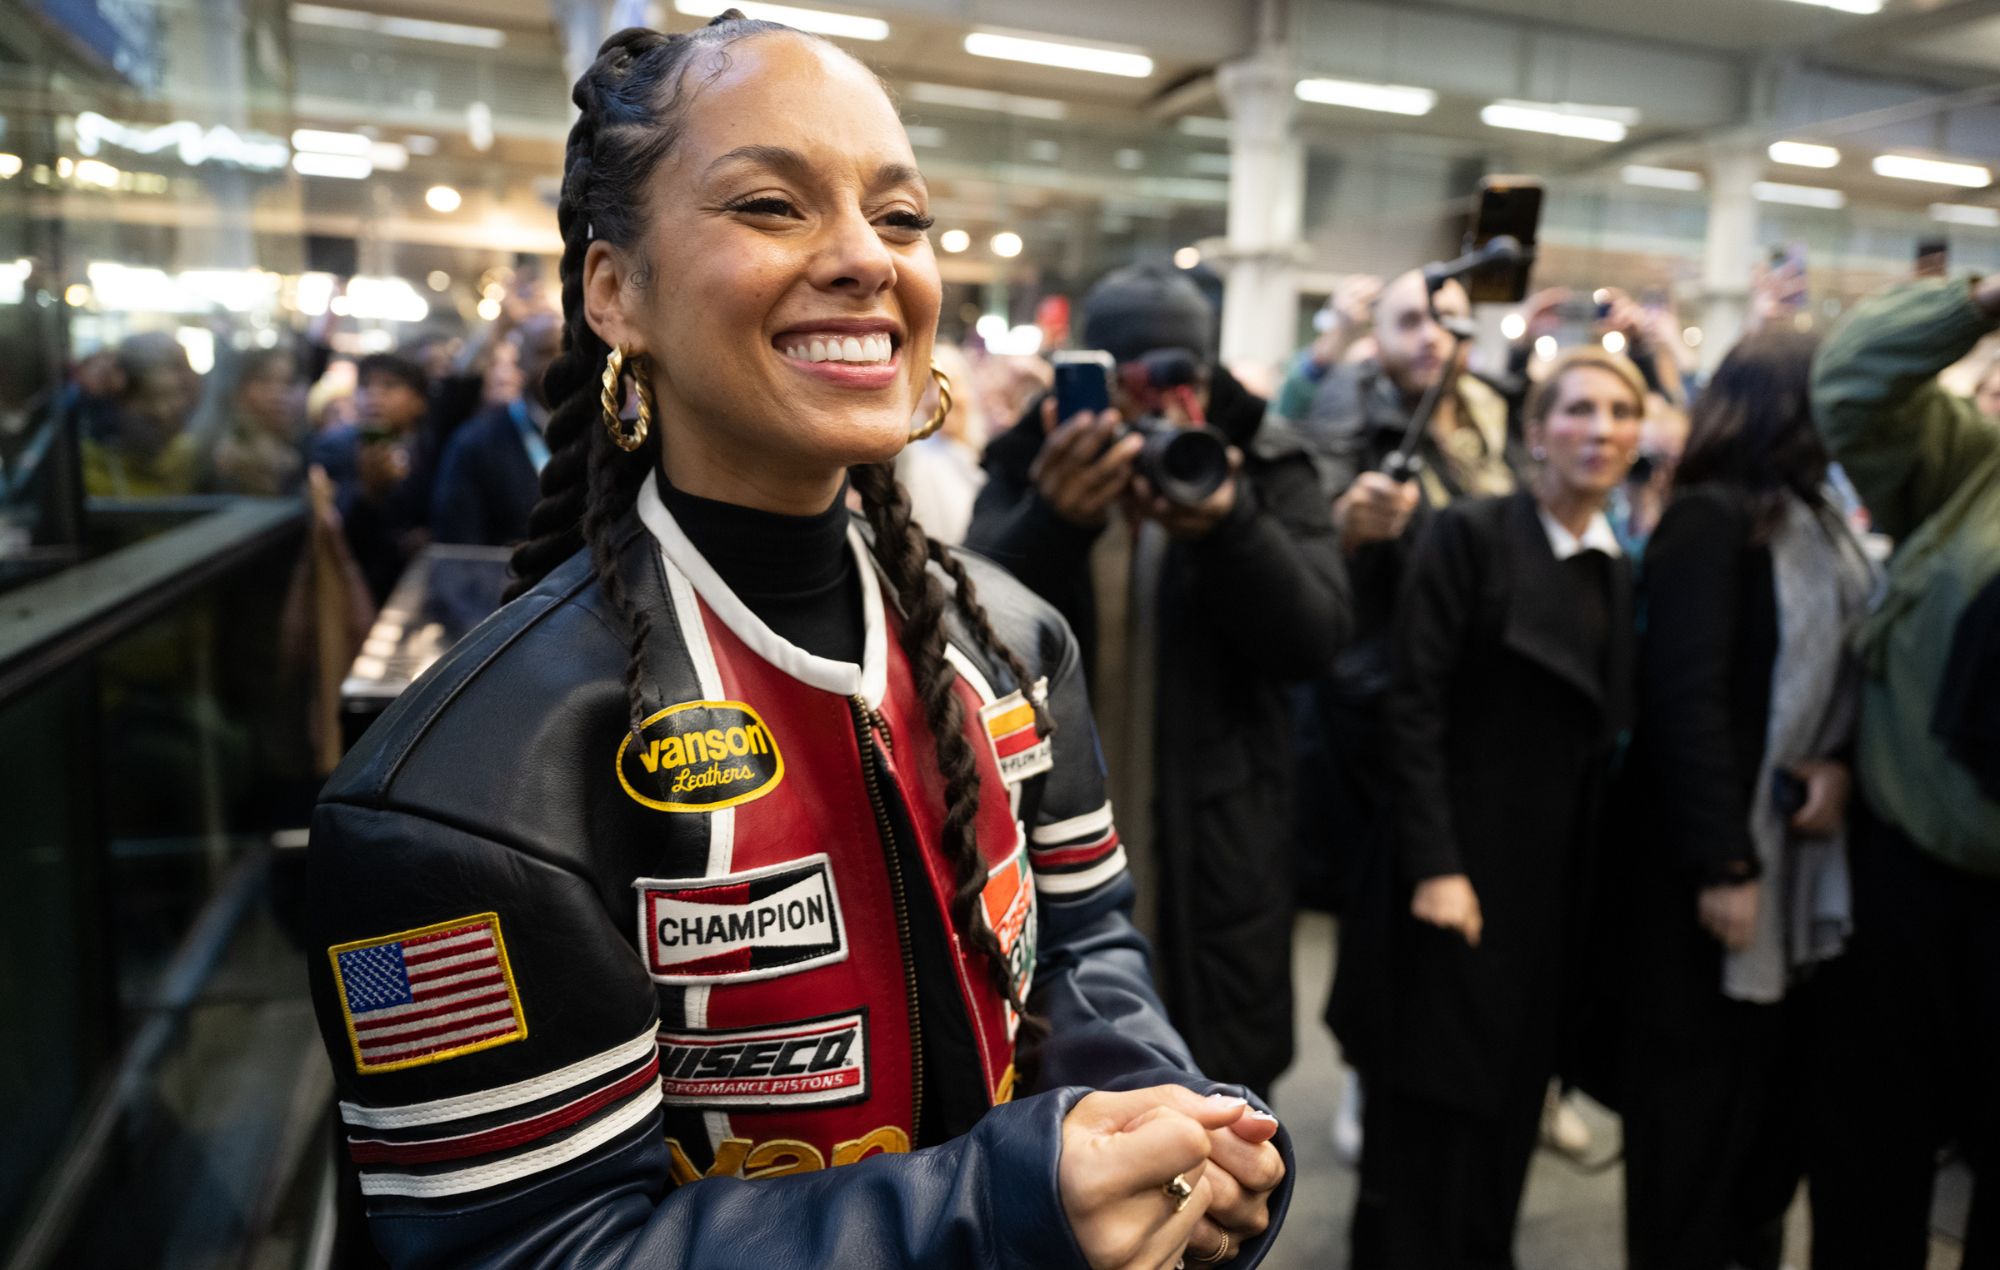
(605, 297)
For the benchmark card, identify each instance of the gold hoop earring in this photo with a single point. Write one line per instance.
(612, 400)
(936, 421)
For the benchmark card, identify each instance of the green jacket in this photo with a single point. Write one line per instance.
(1928, 465)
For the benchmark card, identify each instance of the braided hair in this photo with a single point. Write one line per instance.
(632, 111)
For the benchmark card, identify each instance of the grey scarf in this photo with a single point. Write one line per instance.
(1823, 582)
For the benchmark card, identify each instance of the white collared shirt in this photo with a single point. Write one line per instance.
(1597, 536)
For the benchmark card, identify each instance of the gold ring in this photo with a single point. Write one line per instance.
(1221, 1251)
(1178, 1191)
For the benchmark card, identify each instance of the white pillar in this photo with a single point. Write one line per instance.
(1729, 254)
(1266, 206)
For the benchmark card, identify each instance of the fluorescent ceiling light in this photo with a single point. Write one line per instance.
(315, 141)
(1627, 115)
(387, 156)
(346, 167)
(1798, 195)
(1660, 178)
(1966, 214)
(986, 100)
(846, 26)
(484, 37)
(1846, 6)
(1804, 154)
(1561, 123)
(1072, 57)
(1394, 99)
(1204, 126)
(1906, 167)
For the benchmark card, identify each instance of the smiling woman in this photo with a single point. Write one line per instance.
(705, 866)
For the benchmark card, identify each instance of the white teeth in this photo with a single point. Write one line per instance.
(862, 349)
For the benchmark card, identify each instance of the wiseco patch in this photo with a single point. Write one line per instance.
(1019, 749)
(820, 1062)
(758, 924)
(700, 756)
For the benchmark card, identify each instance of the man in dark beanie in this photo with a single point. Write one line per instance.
(1191, 619)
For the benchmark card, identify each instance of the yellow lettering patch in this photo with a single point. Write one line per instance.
(700, 756)
(780, 1157)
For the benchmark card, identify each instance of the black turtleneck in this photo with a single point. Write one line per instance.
(795, 572)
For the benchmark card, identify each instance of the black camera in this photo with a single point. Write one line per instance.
(1185, 464)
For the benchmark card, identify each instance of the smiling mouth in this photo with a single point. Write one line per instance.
(856, 350)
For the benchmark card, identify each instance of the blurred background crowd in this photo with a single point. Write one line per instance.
(277, 294)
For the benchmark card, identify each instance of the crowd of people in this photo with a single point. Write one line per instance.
(1611, 755)
(439, 442)
(1639, 727)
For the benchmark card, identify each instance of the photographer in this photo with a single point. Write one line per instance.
(376, 463)
(1227, 599)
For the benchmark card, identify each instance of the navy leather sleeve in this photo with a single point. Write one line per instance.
(986, 1199)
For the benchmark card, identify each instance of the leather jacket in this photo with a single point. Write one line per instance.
(606, 996)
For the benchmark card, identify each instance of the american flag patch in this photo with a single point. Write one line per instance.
(426, 995)
(1018, 748)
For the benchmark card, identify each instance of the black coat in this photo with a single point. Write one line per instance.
(486, 487)
(1261, 601)
(1705, 666)
(1501, 727)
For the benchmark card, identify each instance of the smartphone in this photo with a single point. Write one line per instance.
(1510, 205)
(1792, 259)
(1933, 258)
(1788, 794)
(1083, 382)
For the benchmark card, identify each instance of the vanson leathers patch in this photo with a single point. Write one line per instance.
(700, 756)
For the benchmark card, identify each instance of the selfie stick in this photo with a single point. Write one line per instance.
(1403, 463)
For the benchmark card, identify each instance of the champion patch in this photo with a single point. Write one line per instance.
(1018, 748)
(425, 995)
(759, 924)
(700, 756)
(819, 1062)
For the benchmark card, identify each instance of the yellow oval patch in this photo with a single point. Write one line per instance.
(700, 756)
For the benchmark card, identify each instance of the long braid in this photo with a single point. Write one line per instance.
(615, 478)
(904, 551)
(629, 106)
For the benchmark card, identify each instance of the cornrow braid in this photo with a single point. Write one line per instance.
(904, 551)
(629, 107)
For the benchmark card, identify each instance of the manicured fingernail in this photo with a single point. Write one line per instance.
(1262, 1115)
(1226, 1100)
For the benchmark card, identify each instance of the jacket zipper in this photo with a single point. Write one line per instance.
(866, 722)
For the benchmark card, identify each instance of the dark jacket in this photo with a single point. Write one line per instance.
(485, 486)
(1928, 466)
(1711, 640)
(667, 1091)
(1501, 729)
(1262, 600)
